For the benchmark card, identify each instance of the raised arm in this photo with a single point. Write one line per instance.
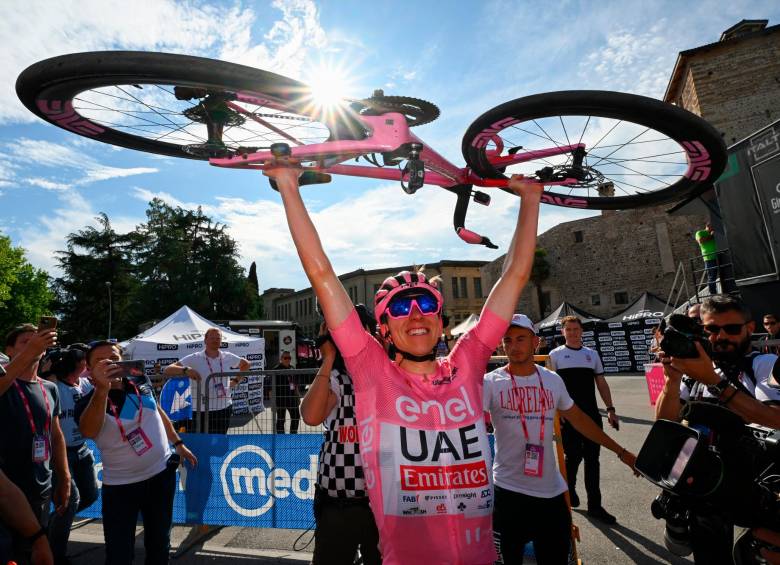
(320, 399)
(520, 257)
(22, 361)
(333, 299)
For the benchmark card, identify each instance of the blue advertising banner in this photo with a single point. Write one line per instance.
(261, 481)
(176, 398)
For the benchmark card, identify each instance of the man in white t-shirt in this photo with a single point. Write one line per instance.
(582, 372)
(520, 398)
(198, 367)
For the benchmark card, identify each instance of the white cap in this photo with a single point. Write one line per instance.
(523, 321)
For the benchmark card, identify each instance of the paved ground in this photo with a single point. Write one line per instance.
(638, 537)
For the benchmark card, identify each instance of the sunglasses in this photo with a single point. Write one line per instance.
(730, 329)
(401, 306)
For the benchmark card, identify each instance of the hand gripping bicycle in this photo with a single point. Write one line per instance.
(591, 149)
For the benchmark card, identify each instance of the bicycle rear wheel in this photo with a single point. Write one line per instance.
(637, 151)
(177, 105)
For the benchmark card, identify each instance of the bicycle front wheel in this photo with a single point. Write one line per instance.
(177, 105)
(634, 151)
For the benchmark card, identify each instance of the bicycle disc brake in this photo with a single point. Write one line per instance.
(417, 112)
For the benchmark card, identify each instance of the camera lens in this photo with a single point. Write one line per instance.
(677, 539)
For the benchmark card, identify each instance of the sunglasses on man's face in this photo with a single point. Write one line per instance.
(730, 329)
(401, 306)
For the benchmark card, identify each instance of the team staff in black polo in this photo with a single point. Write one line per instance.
(581, 370)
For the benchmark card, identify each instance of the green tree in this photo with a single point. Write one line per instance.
(255, 312)
(186, 258)
(96, 256)
(24, 292)
(540, 272)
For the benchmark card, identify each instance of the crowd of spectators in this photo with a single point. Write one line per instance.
(54, 398)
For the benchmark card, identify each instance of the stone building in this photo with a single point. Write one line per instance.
(462, 287)
(732, 83)
(602, 264)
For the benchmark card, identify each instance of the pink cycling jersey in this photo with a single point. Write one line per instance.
(426, 456)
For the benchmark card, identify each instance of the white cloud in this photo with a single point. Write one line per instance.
(47, 235)
(394, 229)
(41, 30)
(38, 153)
(47, 184)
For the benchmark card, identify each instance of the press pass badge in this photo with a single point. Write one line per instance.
(40, 452)
(220, 388)
(534, 458)
(139, 441)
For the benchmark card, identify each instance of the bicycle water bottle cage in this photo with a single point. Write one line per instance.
(481, 198)
(307, 177)
(414, 171)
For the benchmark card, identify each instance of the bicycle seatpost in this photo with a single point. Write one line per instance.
(463, 192)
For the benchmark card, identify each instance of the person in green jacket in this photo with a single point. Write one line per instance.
(709, 253)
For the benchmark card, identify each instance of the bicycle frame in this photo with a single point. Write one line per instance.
(388, 132)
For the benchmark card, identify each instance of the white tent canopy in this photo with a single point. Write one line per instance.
(182, 333)
(466, 325)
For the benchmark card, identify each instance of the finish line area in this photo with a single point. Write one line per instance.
(636, 538)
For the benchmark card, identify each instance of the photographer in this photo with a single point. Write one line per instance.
(734, 377)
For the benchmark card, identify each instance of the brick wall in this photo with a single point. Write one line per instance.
(629, 251)
(736, 85)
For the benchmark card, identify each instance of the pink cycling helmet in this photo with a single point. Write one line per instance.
(394, 285)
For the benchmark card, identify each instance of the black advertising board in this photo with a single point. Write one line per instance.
(749, 203)
(767, 179)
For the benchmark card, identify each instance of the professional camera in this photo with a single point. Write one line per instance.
(680, 334)
(715, 463)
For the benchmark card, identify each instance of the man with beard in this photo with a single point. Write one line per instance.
(735, 377)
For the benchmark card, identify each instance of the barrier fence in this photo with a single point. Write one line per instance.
(251, 475)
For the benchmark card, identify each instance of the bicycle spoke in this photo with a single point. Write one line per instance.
(140, 101)
(545, 133)
(603, 137)
(584, 129)
(122, 112)
(624, 145)
(564, 131)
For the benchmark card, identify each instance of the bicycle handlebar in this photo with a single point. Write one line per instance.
(463, 191)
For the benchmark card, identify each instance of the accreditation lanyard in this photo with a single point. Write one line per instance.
(211, 369)
(516, 393)
(116, 415)
(219, 387)
(47, 424)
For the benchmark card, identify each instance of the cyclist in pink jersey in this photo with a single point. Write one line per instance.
(426, 457)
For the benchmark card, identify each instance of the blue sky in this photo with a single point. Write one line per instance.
(465, 56)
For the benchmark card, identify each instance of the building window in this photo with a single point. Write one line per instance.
(477, 287)
(464, 291)
(595, 300)
(546, 306)
(621, 298)
(455, 290)
(578, 236)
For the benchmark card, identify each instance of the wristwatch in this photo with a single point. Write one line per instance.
(184, 370)
(610, 408)
(719, 388)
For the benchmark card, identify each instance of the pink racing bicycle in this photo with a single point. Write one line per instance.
(591, 149)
